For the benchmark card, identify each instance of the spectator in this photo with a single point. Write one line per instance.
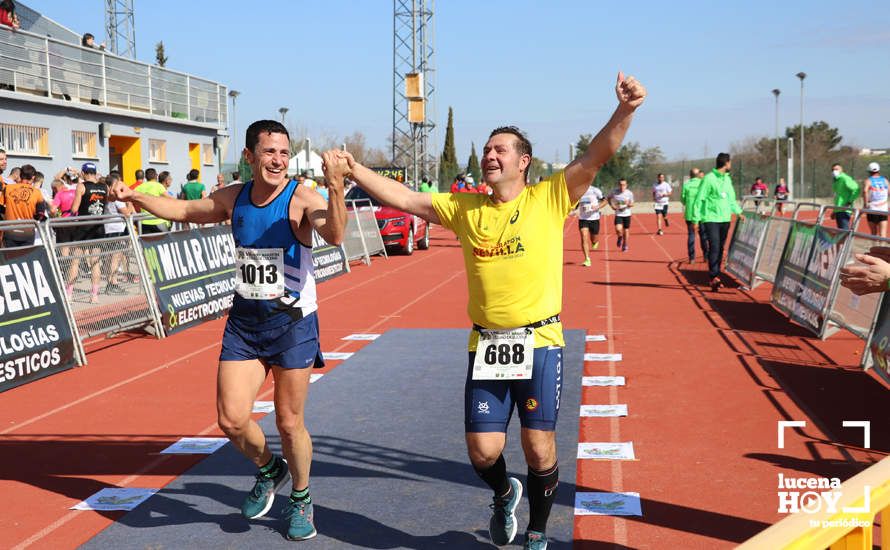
(713, 207)
(89, 41)
(7, 14)
(304, 179)
(154, 188)
(140, 179)
(22, 201)
(220, 182)
(64, 197)
(166, 179)
(114, 230)
(323, 188)
(14, 174)
(193, 189)
(89, 200)
(459, 184)
(426, 186)
(3, 179)
(236, 178)
(846, 190)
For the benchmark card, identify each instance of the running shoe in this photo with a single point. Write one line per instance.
(624, 247)
(667, 222)
(716, 284)
(586, 262)
(299, 517)
(620, 242)
(260, 498)
(660, 232)
(502, 527)
(692, 259)
(535, 541)
(596, 245)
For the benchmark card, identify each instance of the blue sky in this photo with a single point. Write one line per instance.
(548, 67)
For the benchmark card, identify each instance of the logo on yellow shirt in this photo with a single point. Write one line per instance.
(512, 247)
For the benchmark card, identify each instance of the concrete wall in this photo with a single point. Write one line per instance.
(62, 120)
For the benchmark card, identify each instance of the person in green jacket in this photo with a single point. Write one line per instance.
(687, 195)
(714, 206)
(846, 190)
(193, 189)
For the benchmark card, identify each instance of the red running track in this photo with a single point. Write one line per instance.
(708, 375)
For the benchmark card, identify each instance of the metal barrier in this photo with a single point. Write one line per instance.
(363, 238)
(857, 313)
(104, 276)
(747, 241)
(848, 524)
(856, 220)
(38, 338)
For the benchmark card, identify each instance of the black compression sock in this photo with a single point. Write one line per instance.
(495, 476)
(272, 469)
(541, 494)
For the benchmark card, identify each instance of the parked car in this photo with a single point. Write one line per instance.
(398, 229)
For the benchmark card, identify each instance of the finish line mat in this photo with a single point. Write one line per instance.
(389, 470)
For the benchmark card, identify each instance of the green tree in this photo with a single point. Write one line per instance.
(448, 166)
(623, 164)
(160, 58)
(473, 164)
(244, 169)
(582, 144)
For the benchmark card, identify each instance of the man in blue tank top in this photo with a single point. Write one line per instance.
(273, 325)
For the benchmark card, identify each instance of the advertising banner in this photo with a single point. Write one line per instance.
(810, 260)
(879, 344)
(746, 241)
(192, 273)
(35, 337)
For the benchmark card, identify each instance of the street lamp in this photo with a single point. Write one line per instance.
(283, 111)
(801, 75)
(234, 94)
(776, 93)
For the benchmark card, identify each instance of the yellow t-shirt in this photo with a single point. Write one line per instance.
(513, 256)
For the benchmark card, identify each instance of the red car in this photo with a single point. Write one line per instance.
(398, 229)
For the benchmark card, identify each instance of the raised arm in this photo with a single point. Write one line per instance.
(213, 209)
(392, 193)
(329, 219)
(580, 172)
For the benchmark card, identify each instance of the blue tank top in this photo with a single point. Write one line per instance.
(270, 227)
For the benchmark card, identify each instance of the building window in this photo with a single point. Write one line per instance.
(18, 139)
(83, 144)
(157, 150)
(207, 153)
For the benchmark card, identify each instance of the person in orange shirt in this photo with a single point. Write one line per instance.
(22, 201)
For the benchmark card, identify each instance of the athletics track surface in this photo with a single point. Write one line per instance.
(708, 376)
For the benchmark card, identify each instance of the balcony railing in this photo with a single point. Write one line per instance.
(43, 66)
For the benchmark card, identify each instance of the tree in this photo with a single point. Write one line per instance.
(582, 144)
(473, 164)
(160, 58)
(448, 166)
(244, 169)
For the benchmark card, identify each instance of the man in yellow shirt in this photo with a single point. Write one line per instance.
(152, 187)
(512, 247)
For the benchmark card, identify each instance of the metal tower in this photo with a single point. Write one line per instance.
(414, 143)
(120, 31)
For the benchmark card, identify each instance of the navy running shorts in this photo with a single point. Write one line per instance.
(294, 345)
(661, 209)
(488, 404)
